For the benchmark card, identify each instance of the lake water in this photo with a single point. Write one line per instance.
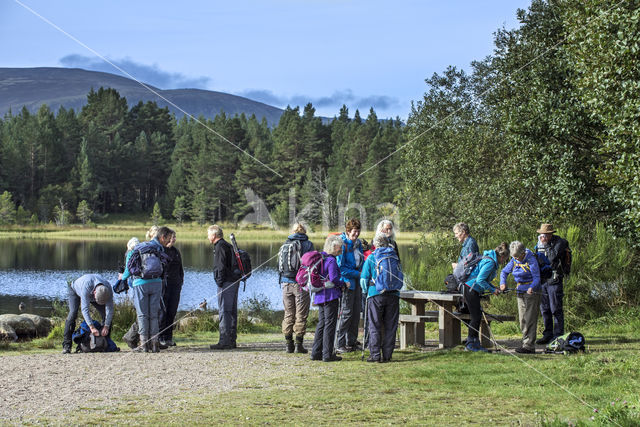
(35, 272)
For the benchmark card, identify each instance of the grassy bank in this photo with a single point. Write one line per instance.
(186, 232)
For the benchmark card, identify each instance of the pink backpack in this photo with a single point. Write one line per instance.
(310, 272)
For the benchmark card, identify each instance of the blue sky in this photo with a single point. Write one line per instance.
(359, 53)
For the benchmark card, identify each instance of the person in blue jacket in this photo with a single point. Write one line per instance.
(526, 272)
(350, 262)
(383, 309)
(478, 283)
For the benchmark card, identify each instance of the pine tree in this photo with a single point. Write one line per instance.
(7, 209)
(180, 209)
(84, 212)
(156, 215)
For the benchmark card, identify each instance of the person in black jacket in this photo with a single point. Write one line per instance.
(228, 283)
(171, 296)
(556, 249)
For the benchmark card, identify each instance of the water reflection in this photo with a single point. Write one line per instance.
(35, 272)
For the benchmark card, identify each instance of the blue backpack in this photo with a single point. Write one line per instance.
(389, 275)
(147, 261)
(88, 343)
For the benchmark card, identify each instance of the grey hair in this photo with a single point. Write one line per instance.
(132, 243)
(461, 226)
(215, 230)
(331, 242)
(516, 249)
(380, 240)
(103, 293)
(384, 223)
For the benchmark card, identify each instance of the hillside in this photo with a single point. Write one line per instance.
(68, 87)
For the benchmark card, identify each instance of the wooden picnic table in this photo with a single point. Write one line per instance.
(412, 325)
(413, 328)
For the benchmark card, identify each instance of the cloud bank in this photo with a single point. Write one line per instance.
(334, 101)
(150, 74)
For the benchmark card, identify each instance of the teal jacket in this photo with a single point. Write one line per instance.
(368, 278)
(481, 277)
(136, 280)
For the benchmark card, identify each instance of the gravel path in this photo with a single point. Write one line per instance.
(50, 385)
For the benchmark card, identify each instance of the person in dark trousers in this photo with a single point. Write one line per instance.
(555, 248)
(479, 282)
(89, 289)
(296, 300)
(383, 309)
(328, 301)
(171, 296)
(228, 283)
(350, 262)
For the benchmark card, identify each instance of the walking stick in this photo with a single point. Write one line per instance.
(335, 339)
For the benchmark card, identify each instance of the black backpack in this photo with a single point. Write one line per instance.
(289, 258)
(571, 342)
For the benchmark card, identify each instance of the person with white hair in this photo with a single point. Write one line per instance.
(526, 272)
(89, 289)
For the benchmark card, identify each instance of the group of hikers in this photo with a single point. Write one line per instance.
(347, 278)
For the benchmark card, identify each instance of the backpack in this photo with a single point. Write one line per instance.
(566, 261)
(147, 261)
(89, 343)
(389, 275)
(544, 265)
(245, 259)
(309, 275)
(289, 258)
(451, 285)
(571, 342)
(464, 268)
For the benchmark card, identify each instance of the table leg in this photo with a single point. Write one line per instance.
(417, 309)
(449, 326)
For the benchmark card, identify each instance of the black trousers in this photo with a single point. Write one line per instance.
(171, 299)
(472, 299)
(384, 310)
(326, 330)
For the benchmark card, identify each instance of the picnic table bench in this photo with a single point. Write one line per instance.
(412, 325)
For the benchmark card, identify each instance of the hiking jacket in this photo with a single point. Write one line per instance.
(468, 246)
(554, 251)
(525, 273)
(174, 270)
(331, 271)
(83, 287)
(223, 262)
(480, 278)
(368, 278)
(350, 261)
(137, 281)
(305, 246)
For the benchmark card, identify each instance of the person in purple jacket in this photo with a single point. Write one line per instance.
(526, 272)
(328, 301)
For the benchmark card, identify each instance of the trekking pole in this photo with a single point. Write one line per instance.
(365, 340)
(236, 252)
(335, 339)
(491, 336)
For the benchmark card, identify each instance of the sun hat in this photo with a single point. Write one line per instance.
(546, 229)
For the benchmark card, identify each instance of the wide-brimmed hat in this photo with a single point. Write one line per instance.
(546, 229)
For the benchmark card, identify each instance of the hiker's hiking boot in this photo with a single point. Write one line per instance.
(332, 358)
(143, 347)
(473, 344)
(290, 344)
(524, 350)
(163, 344)
(222, 346)
(345, 349)
(66, 349)
(299, 348)
(372, 359)
(155, 346)
(170, 343)
(544, 340)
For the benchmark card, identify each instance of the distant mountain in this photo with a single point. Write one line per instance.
(68, 87)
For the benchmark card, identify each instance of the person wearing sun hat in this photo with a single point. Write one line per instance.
(557, 251)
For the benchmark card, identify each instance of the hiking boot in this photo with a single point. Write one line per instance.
(524, 350)
(143, 347)
(372, 359)
(332, 358)
(316, 357)
(66, 349)
(544, 340)
(155, 346)
(345, 350)
(290, 344)
(299, 348)
(163, 344)
(170, 343)
(221, 346)
(473, 344)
